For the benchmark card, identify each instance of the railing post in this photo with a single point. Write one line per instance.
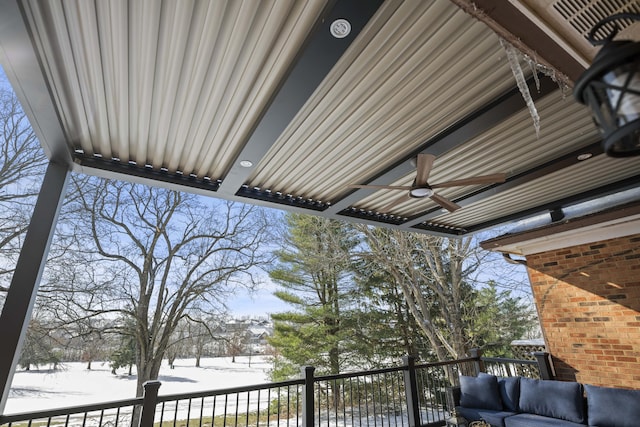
(308, 407)
(476, 353)
(411, 390)
(150, 398)
(544, 365)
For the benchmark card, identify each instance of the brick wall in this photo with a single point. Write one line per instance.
(588, 300)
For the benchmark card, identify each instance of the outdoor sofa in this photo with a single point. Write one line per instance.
(526, 402)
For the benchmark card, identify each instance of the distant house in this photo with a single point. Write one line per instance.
(250, 334)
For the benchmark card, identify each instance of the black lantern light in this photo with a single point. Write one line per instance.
(611, 88)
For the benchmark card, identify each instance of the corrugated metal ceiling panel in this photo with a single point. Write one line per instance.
(565, 127)
(176, 85)
(406, 75)
(578, 178)
(513, 146)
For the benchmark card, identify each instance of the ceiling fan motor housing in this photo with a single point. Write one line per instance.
(421, 192)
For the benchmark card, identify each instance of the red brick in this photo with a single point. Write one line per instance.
(588, 297)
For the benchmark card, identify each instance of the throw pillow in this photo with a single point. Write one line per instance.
(612, 407)
(480, 392)
(509, 388)
(556, 399)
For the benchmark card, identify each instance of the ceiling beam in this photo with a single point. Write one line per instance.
(23, 69)
(358, 217)
(476, 123)
(320, 54)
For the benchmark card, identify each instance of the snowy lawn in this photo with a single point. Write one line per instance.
(72, 384)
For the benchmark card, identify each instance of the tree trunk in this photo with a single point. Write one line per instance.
(149, 371)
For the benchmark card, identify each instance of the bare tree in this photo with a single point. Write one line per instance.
(39, 346)
(87, 337)
(178, 345)
(200, 335)
(155, 256)
(188, 337)
(433, 274)
(237, 342)
(22, 163)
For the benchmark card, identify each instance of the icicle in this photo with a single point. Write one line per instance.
(516, 69)
(533, 66)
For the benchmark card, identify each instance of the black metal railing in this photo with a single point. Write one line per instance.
(432, 381)
(539, 368)
(409, 395)
(118, 413)
(274, 404)
(372, 398)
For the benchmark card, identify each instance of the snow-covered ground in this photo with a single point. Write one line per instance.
(72, 384)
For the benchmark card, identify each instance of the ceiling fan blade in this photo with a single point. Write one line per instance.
(382, 187)
(445, 203)
(485, 179)
(396, 202)
(424, 165)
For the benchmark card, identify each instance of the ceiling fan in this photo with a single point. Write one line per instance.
(421, 188)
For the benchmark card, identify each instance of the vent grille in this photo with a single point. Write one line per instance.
(584, 14)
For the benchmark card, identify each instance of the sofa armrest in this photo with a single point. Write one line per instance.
(453, 397)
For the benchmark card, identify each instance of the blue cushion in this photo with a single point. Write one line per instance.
(556, 399)
(613, 407)
(510, 392)
(509, 388)
(495, 418)
(531, 420)
(480, 392)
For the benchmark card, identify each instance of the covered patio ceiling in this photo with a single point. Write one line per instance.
(257, 101)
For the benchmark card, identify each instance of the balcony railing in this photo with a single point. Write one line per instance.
(409, 395)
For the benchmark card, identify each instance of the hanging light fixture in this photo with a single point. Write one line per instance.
(611, 88)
